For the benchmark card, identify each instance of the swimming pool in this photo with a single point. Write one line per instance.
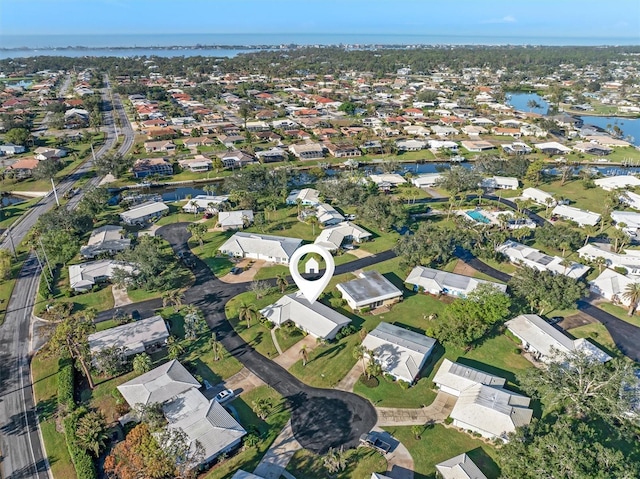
(477, 216)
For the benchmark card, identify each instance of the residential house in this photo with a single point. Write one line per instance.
(342, 150)
(107, 239)
(165, 146)
(610, 183)
(23, 168)
(437, 145)
(473, 131)
(533, 258)
(240, 474)
(275, 249)
(10, 149)
(592, 148)
(307, 151)
(612, 286)
(271, 155)
(44, 153)
(427, 180)
(307, 197)
(236, 159)
(387, 179)
(186, 408)
(76, 118)
(315, 318)
(144, 213)
(195, 142)
(628, 259)
(453, 378)
(202, 203)
(198, 164)
(235, 220)
(552, 148)
(84, 276)
(438, 282)
(230, 140)
(257, 126)
(477, 146)
(411, 145)
(152, 166)
(500, 183)
(333, 237)
(401, 353)
(539, 196)
(444, 131)
(501, 131)
(459, 467)
(370, 290)
(581, 217)
(327, 215)
(631, 199)
(516, 148)
(146, 335)
(548, 344)
(630, 220)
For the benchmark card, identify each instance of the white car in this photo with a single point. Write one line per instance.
(224, 396)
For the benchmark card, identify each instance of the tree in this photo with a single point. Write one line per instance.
(109, 361)
(374, 368)
(305, 354)
(260, 288)
(216, 347)
(348, 107)
(142, 363)
(194, 323)
(429, 246)
(70, 340)
(174, 348)
(112, 163)
(632, 294)
(92, 432)
(360, 354)
(534, 172)
(139, 456)
(17, 136)
(173, 297)
(335, 460)
(183, 452)
(281, 282)
(46, 169)
(459, 180)
(313, 221)
(416, 430)
(198, 230)
(247, 312)
(383, 211)
(559, 237)
(262, 407)
(590, 232)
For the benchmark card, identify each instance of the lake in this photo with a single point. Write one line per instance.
(520, 101)
(630, 126)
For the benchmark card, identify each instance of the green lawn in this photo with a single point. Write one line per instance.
(208, 252)
(45, 388)
(11, 213)
(389, 393)
(620, 313)
(439, 443)
(588, 199)
(598, 334)
(268, 430)
(288, 337)
(361, 463)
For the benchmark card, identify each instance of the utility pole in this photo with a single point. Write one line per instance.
(13, 247)
(41, 269)
(44, 252)
(55, 192)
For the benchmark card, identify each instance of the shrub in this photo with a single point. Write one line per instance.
(365, 310)
(448, 421)
(346, 331)
(337, 303)
(621, 270)
(403, 384)
(389, 377)
(85, 469)
(371, 382)
(66, 386)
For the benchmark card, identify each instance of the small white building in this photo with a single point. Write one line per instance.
(393, 179)
(144, 213)
(500, 183)
(541, 197)
(370, 290)
(84, 276)
(631, 199)
(136, 337)
(400, 352)
(327, 215)
(459, 467)
(533, 258)
(611, 183)
(453, 378)
(202, 203)
(581, 217)
(275, 249)
(427, 180)
(333, 237)
(612, 285)
(630, 219)
(235, 220)
(629, 259)
(307, 197)
(436, 282)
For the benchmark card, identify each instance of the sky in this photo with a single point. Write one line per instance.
(553, 18)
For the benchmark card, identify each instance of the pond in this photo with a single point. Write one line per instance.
(630, 126)
(8, 200)
(520, 101)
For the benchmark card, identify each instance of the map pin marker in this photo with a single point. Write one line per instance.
(311, 289)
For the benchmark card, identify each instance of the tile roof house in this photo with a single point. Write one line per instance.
(23, 168)
(107, 239)
(453, 378)
(135, 337)
(333, 237)
(275, 249)
(459, 467)
(370, 290)
(315, 318)
(401, 352)
(547, 343)
(435, 281)
(84, 276)
(533, 258)
(582, 217)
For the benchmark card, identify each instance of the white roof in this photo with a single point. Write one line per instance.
(265, 245)
(332, 237)
(500, 181)
(204, 202)
(495, 411)
(611, 283)
(552, 145)
(630, 259)
(431, 279)
(459, 377)
(308, 196)
(621, 181)
(158, 385)
(327, 213)
(231, 219)
(143, 210)
(632, 199)
(316, 318)
(399, 351)
(426, 179)
(84, 275)
(538, 196)
(630, 218)
(392, 178)
(459, 467)
(549, 341)
(520, 253)
(103, 239)
(133, 337)
(582, 217)
(370, 287)
(240, 474)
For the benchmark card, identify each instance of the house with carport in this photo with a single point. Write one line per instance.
(459, 467)
(612, 286)
(581, 217)
(333, 237)
(453, 378)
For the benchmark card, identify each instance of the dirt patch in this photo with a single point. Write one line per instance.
(360, 253)
(120, 297)
(576, 320)
(251, 269)
(464, 269)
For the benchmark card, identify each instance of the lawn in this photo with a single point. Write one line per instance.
(620, 313)
(268, 430)
(438, 443)
(389, 393)
(598, 334)
(45, 388)
(11, 213)
(208, 252)
(361, 463)
(288, 337)
(587, 199)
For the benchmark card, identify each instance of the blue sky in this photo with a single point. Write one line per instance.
(557, 18)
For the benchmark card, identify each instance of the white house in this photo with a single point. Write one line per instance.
(612, 286)
(631, 199)
(315, 318)
(107, 239)
(582, 217)
(411, 145)
(533, 258)
(547, 343)
(327, 215)
(552, 148)
(500, 183)
(275, 249)
(539, 196)
(400, 352)
(629, 259)
(370, 290)
(144, 213)
(333, 237)
(201, 203)
(136, 337)
(611, 183)
(435, 281)
(235, 220)
(83, 276)
(630, 219)
(453, 378)
(459, 467)
(426, 180)
(393, 179)
(307, 196)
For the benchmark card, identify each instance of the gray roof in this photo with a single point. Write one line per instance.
(143, 210)
(332, 237)
(459, 377)
(460, 467)
(430, 279)
(403, 337)
(107, 238)
(132, 336)
(230, 219)
(158, 385)
(266, 245)
(370, 287)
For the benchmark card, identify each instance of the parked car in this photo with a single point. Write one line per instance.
(135, 315)
(224, 396)
(236, 270)
(372, 440)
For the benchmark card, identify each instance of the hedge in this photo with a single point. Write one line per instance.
(66, 386)
(82, 461)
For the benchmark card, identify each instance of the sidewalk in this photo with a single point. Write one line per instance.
(275, 460)
(438, 411)
(120, 297)
(350, 380)
(292, 355)
(399, 460)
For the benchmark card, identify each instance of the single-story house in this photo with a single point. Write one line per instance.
(370, 290)
(271, 155)
(342, 150)
(427, 180)
(195, 142)
(631, 199)
(459, 467)
(582, 217)
(516, 148)
(333, 237)
(552, 148)
(307, 197)
(612, 285)
(411, 145)
(11, 149)
(166, 146)
(538, 196)
(315, 318)
(186, 408)
(204, 203)
(630, 219)
(236, 159)
(144, 213)
(276, 249)
(500, 183)
(235, 220)
(107, 239)
(307, 151)
(240, 474)
(546, 343)
(435, 281)
(230, 140)
(392, 179)
(592, 148)
(136, 337)
(401, 352)
(477, 146)
(152, 166)
(453, 378)
(610, 183)
(533, 258)
(198, 164)
(83, 276)
(23, 168)
(327, 215)
(629, 259)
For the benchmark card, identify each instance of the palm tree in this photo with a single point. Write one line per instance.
(373, 368)
(247, 312)
(91, 432)
(262, 407)
(173, 297)
(142, 363)
(600, 262)
(313, 221)
(590, 232)
(632, 294)
(281, 281)
(416, 430)
(298, 204)
(174, 348)
(216, 347)
(359, 353)
(566, 263)
(305, 354)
